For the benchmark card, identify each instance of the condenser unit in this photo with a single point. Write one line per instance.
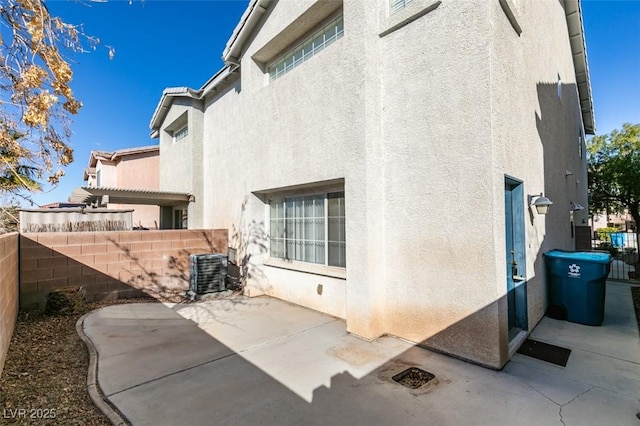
(208, 273)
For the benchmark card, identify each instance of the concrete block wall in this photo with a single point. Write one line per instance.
(110, 265)
(8, 291)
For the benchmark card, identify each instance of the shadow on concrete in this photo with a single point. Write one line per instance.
(157, 367)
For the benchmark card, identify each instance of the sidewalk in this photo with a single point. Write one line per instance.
(265, 361)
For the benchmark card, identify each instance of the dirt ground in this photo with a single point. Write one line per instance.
(44, 381)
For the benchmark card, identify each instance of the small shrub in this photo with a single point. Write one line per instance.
(604, 234)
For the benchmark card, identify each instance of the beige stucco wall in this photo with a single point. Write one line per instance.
(108, 173)
(437, 131)
(265, 129)
(421, 124)
(181, 162)
(140, 171)
(536, 134)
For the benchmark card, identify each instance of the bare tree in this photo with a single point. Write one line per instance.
(36, 100)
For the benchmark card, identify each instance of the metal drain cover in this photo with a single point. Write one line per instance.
(413, 378)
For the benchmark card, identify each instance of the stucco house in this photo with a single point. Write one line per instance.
(129, 168)
(380, 161)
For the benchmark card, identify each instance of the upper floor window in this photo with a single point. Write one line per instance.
(396, 5)
(309, 47)
(179, 128)
(98, 178)
(180, 133)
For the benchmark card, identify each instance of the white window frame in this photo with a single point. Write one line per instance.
(181, 133)
(397, 5)
(309, 47)
(325, 196)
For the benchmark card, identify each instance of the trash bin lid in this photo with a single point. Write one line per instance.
(589, 256)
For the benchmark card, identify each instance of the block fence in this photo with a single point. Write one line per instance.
(110, 265)
(8, 291)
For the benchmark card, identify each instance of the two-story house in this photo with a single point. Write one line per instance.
(383, 161)
(127, 169)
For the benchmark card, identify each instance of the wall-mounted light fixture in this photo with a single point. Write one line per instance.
(541, 203)
(574, 207)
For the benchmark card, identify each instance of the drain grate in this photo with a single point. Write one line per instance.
(413, 378)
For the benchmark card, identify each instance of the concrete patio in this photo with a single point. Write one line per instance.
(264, 361)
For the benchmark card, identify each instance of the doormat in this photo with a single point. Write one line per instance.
(545, 352)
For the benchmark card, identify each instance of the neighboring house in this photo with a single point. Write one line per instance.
(623, 221)
(378, 161)
(128, 169)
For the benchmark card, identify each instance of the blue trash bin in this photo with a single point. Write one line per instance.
(618, 239)
(577, 285)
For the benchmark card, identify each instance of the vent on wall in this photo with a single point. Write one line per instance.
(208, 273)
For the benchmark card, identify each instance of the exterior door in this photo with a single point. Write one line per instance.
(515, 256)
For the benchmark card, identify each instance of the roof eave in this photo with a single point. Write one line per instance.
(165, 103)
(248, 22)
(216, 81)
(133, 151)
(573, 12)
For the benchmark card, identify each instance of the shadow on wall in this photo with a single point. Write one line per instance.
(483, 336)
(559, 128)
(174, 277)
(250, 240)
(111, 265)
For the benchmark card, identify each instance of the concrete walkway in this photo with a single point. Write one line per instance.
(266, 362)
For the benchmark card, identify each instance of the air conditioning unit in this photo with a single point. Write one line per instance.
(208, 273)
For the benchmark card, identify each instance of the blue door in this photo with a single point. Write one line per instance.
(515, 256)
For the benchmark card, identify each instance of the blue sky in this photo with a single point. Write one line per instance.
(157, 44)
(179, 43)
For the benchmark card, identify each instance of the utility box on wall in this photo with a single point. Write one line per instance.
(583, 238)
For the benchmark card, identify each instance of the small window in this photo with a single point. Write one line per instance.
(309, 47)
(397, 5)
(98, 178)
(309, 229)
(180, 133)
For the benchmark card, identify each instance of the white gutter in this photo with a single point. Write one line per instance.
(573, 11)
(250, 18)
(215, 81)
(165, 103)
(248, 22)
